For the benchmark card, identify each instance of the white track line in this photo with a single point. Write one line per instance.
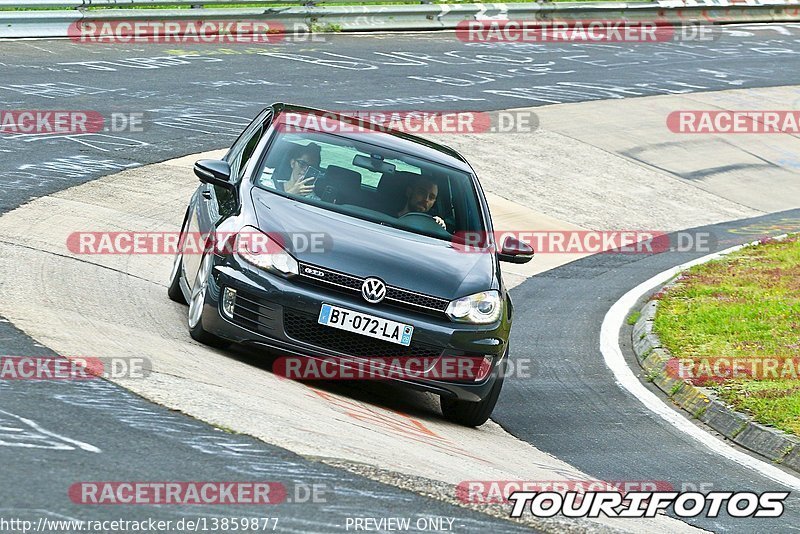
(612, 353)
(80, 444)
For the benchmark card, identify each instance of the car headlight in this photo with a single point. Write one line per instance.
(481, 308)
(257, 248)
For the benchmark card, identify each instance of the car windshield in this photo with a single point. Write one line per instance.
(372, 183)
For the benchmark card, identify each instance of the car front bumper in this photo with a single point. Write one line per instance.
(281, 314)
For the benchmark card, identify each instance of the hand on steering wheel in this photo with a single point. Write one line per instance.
(438, 220)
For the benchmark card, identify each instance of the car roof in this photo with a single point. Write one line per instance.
(387, 138)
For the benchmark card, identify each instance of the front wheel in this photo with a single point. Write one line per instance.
(470, 413)
(174, 290)
(197, 302)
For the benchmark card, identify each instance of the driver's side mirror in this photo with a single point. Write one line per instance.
(214, 172)
(515, 251)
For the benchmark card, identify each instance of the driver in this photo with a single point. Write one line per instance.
(420, 197)
(305, 158)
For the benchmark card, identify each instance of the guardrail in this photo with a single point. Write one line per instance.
(396, 17)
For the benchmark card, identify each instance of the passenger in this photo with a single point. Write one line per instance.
(304, 166)
(420, 197)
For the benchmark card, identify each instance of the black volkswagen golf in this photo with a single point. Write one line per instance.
(341, 239)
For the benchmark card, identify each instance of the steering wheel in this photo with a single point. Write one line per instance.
(412, 214)
(421, 221)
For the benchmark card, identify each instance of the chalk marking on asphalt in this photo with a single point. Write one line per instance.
(612, 354)
(33, 425)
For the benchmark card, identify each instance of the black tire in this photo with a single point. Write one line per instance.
(174, 290)
(196, 330)
(207, 338)
(473, 413)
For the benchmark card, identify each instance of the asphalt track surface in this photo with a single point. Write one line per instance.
(199, 98)
(140, 441)
(571, 407)
(196, 98)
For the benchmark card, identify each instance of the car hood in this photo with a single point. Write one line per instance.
(362, 248)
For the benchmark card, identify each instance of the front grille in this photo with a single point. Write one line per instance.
(329, 277)
(350, 284)
(410, 298)
(304, 327)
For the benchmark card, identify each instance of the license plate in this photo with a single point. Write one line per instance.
(366, 325)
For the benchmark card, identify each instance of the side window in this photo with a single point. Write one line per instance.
(238, 162)
(242, 150)
(238, 157)
(249, 148)
(245, 152)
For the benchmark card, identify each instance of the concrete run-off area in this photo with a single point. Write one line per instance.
(592, 166)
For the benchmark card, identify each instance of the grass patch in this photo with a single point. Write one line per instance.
(225, 429)
(633, 317)
(746, 305)
(700, 412)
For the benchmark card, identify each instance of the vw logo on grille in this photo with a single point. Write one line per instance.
(373, 290)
